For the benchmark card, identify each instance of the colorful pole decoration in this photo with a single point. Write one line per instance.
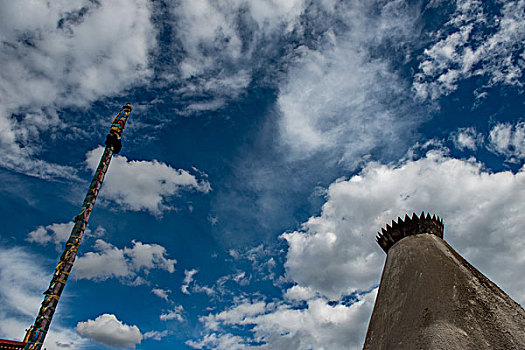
(37, 333)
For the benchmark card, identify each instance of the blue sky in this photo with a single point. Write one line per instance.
(269, 141)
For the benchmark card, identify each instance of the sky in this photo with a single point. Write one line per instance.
(269, 141)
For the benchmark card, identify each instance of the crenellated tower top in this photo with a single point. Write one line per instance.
(410, 226)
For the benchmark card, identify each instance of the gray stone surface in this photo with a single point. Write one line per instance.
(432, 298)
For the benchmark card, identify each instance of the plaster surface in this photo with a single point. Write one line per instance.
(432, 298)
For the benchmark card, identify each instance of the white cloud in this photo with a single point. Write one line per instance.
(99, 232)
(143, 185)
(206, 106)
(156, 335)
(58, 234)
(508, 140)
(299, 293)
(335, 253)
(108, 262)
(161, 293)
(261, 260)
(108, 330)
(203, 289)
(188, 278)
(22, 281)
(19, 142)
(461, 51)
(219, 342)
(339, 98)
(174, 314)
(235, 314)
(90, 53)
(149, 256)
(20, 161)
(224, 41)
(240, 278)
(62, 54)
(467, 139)
(281, 326)
(111, 262)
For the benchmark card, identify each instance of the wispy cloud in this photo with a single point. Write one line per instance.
(161, 293)
(156, 335)
(474, 43)
(224, 43)
(174, 314)
(340, 98)
(188, 279)
(467, 139)
(22, 281)
(340, 103)
(64, 54)
(508, 140)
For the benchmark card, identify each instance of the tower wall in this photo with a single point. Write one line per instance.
(432, 298)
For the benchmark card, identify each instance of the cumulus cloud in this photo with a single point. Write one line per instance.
(143, 185)
(319, 325)
(335, 263)
(108, 330)
(460, 50)
(467, 139)
(109, 261)
(173, 314)
(508, 140)
(58, 234)
(335, 253)
(298, 293)
(61, 54)
(22, 281)
(19, 143)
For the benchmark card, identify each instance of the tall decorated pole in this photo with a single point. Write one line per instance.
(37, 332)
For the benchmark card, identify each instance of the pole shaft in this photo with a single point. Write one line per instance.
(37, 333)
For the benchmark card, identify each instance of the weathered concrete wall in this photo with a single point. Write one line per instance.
(432, 298)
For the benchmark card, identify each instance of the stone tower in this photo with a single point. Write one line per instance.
(432, 298)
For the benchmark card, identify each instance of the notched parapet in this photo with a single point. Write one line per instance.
(410, 226)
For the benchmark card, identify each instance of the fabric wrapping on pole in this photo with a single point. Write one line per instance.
(36, 334)
(38, 331)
